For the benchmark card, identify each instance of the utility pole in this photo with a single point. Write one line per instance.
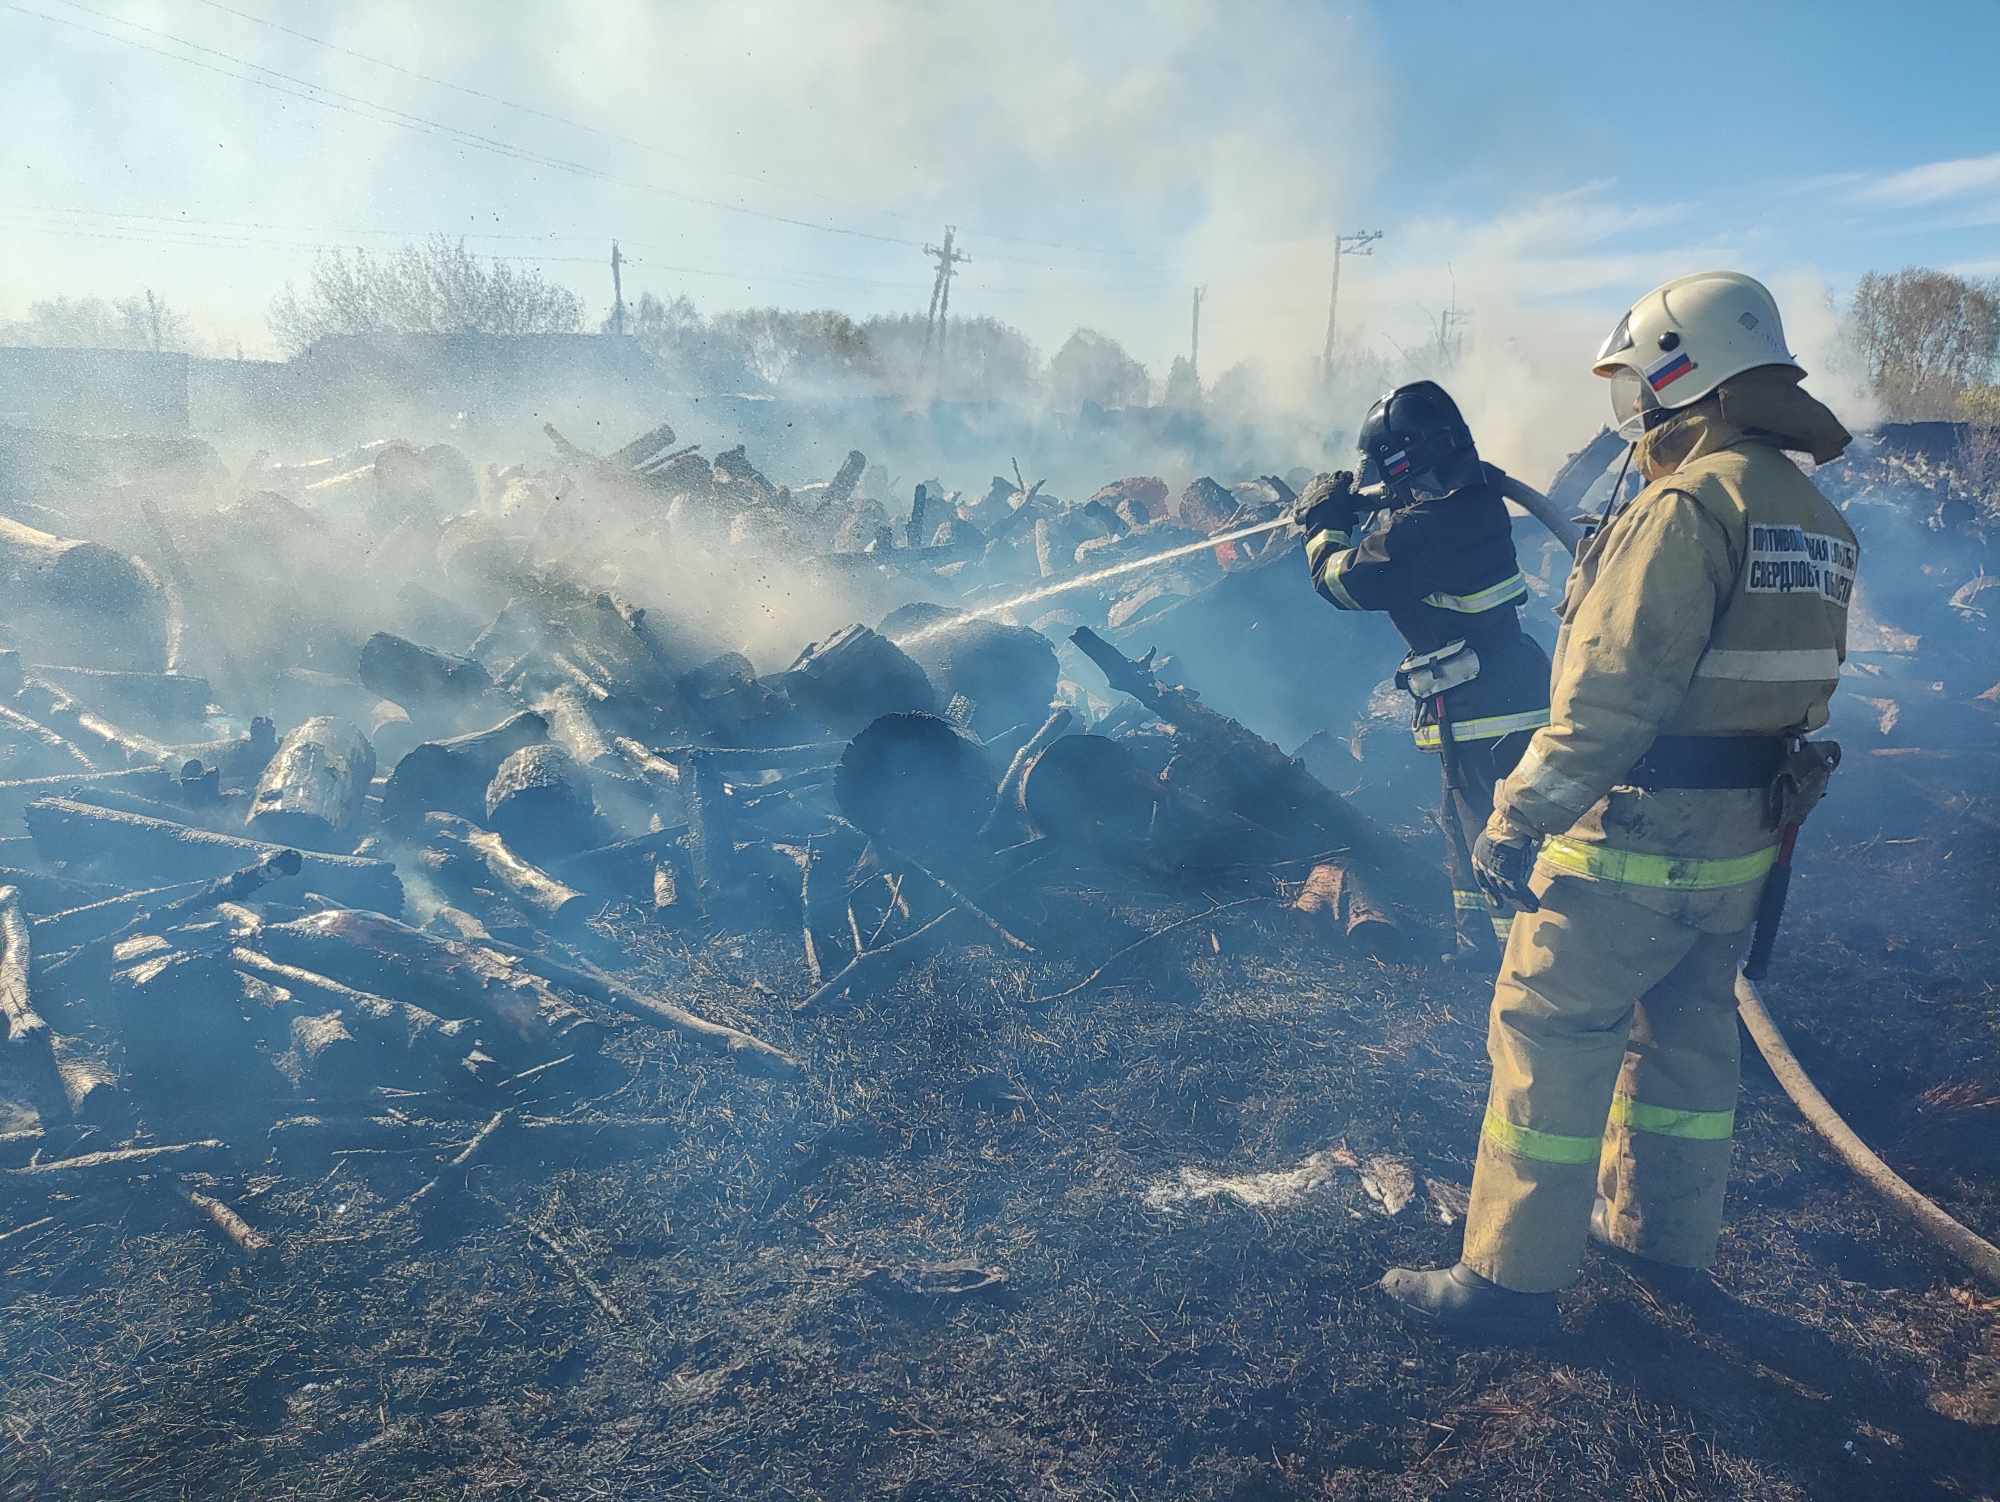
(948, 261)
(617, 292)
(1361, 244)
(1194, 342)
(153, 318)
(1450, 326)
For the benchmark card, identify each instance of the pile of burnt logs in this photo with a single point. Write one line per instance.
(271, 896)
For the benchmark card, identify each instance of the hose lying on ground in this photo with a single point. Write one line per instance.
(1978, 1254)
(1981, 1256)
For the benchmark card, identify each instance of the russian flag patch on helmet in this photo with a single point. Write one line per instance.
(1669, 370)
(1397, 464)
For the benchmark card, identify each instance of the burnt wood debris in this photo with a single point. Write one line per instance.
(283, 873)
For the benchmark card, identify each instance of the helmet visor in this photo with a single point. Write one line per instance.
(1632, 398)
(1617, 342)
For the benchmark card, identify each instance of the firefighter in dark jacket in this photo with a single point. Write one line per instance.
(1443, 569)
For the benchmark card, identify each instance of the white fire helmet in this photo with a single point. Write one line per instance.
(1684, 339)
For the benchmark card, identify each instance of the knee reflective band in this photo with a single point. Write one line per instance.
(1698, 1126)
(1639, 868)
(1463, 900)
(1634, 1115)
(1503, 928)
(1543, 1147)
(1487, 728)
(1506, 591)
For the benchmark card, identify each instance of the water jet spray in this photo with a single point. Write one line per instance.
(1097, 576)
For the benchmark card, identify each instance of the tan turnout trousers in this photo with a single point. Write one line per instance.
(1614, 1048)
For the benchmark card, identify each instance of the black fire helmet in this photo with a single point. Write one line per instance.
(1415, 442)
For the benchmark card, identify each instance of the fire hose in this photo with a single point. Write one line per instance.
(1978, 1255)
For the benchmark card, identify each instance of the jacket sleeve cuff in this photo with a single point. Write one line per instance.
(1539, 797)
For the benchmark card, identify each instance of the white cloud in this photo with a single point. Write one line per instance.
(1935, 182)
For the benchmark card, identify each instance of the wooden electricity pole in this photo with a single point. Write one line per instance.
(617, 292)
(1194, 341)
(1361, 244)
(948, 261)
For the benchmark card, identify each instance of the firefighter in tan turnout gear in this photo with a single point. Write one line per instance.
(1703, 628)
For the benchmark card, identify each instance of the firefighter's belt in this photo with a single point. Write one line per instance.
(1428, 674)
(1688, 762)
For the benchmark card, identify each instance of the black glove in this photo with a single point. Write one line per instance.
(1329, 501)
(1501, 867)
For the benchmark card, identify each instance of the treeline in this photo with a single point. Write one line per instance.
(440, 287)
(1928, 342)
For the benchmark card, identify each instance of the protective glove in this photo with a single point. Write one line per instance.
(1328, 502)
(1502, 866)
(1285, 494)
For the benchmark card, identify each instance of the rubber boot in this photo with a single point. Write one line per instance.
(1458, 1301)
(1665, 1279)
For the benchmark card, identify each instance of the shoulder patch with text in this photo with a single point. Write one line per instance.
(1791, 560)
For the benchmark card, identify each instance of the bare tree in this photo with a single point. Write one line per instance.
(438, 287)
(1093, 367)
(694, 350)
(990, 361)
(1927, 337)
(142, 321)
(791, 350)
(1183, 388)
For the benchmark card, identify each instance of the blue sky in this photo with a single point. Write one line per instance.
(1543, 163)
(1788, 121)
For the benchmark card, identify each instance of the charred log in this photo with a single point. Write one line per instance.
(421, 679)
(451, 776)
(311, 793)
(540, 803)
(373, 953)
(152, 848)
(534, 890)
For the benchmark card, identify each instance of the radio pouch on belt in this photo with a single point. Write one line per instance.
(1801, 781)
(1427, 674)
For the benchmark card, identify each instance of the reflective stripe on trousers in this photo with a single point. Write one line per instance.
(1642, 868)
(1478, 902)
(1635, 1115)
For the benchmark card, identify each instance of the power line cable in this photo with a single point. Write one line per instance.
(203, 240)
(335, 99)
(184, 221)
(422, 125)
(612, 135)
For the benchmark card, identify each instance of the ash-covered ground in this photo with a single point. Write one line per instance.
(1069, 1149)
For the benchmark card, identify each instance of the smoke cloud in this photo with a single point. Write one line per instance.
(1098, 165)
